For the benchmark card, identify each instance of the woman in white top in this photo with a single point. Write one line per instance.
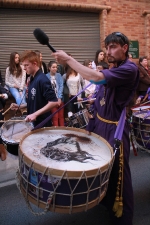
(75, 83)
(15, 78)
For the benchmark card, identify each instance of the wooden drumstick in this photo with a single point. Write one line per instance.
(138, 105)
(3, 121)
(145, 103)
(90, 99)
(6, 111)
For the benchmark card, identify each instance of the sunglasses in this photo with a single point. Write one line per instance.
(120, 35)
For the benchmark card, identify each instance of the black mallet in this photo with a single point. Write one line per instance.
(42, 38)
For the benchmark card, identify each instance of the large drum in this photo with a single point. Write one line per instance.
(63, 169)
(141, 129)
(12, 131)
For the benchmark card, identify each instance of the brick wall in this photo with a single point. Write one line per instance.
(127, 17)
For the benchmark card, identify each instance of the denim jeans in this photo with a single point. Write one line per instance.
(15, 93)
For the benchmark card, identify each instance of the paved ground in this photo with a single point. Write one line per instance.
(14, 211)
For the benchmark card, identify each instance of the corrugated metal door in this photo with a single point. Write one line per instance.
(77, 33)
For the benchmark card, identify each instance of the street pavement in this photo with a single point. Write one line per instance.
(14, 210)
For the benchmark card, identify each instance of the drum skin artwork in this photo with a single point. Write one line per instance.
(141, 129)
(62, 169)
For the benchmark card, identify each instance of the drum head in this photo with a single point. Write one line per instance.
(12, 131)
(65, 149)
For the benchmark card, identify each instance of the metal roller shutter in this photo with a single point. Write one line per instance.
(77, 33)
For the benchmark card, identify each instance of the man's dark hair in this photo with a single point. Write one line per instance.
(119, 38)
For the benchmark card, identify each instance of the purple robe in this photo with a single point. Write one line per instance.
(121, 85)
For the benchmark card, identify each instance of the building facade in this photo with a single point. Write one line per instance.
(80, 30)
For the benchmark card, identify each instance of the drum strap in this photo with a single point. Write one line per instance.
(118, 204)
(107, 121)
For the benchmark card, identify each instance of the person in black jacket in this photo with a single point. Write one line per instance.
(41, 98)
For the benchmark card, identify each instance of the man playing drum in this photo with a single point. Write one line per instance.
(41, 97)
(121, 83)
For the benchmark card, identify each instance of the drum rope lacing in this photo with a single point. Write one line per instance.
(51, 194)
(137, 144)
(103, 181)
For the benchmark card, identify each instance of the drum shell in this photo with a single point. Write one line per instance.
(141, 130)
(80, 119)
(41, 186)
(11, 148)
(62, 198)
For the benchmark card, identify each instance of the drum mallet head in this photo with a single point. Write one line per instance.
(42, 38)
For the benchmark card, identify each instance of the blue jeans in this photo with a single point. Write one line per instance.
(15, 93)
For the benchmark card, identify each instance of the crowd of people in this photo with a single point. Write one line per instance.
(65, 82)
(116, 81)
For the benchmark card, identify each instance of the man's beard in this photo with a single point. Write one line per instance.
(111, 60)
